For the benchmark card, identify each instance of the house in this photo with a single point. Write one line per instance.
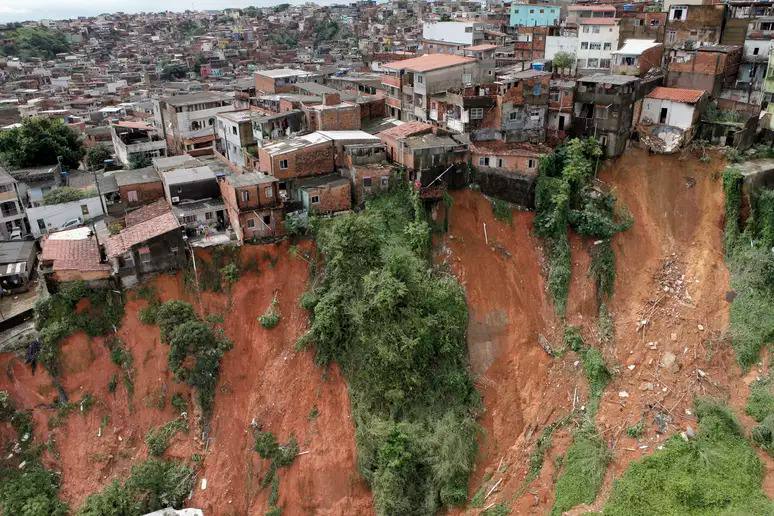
(604, 109)
(136, 140)
(597, 39)
(534, 15)
(522, 107)
(17, 264)
(367, 170)
(154, 244)
(253, 204)
(694, 25)
(669, 117)
(172, 162)
(410, 83)
(577, 13)
(235, 137)
(637, 57)
(709, 68)
(393, 136)
(324, 194)
(645, 24)
(13, 221)
(190, 184)
(47, 218)
(520, 158)
(139, 186)
(332, 114)
(188, 121)
(148, 211)
(73, 255)
(430, 152)
(561, 101)
(450, 37)
(33, 183)
(281, 80)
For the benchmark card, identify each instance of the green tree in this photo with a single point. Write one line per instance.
(38, 142)
(563, 60)
(139, 161)
(26, 42)
(96, 156)
(66, 194)
(174, 71)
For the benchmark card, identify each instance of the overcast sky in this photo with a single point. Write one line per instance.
(21, 10)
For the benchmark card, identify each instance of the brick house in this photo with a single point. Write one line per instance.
(367, 170)
(253, 204)
(637, 57)
(332, 114)
(393, 136)
(324, 194)
(710, 68)
(690, 26)
(72, 255)
(520, 158)
(139, 186)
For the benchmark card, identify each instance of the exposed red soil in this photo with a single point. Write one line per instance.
(262, 379)
(677, 206)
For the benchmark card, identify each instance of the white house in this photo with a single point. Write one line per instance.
(669, 117)
(597, 40)
(44, 219)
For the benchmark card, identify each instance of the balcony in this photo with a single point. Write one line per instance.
(391, 80)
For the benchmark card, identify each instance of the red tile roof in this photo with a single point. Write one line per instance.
(407, 129)
(79, 255)
(483, 46)
(147, 212)
(144, 231)
(676, 94)
(428, 62)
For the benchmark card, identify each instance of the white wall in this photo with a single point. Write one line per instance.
(763, 46)
(678, 114)
(57, 214)
(450, 32)
(556, 44)
(604, 35)
(225, 131)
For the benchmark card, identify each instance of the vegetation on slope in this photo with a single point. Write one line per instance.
(751, 264)
(27, 42)
(583, 470)
(717, 472)
(281, 456)
(195, 349)
(760, 406)
(397, 327)
(56, 317)
(27, 488)
(566, 198)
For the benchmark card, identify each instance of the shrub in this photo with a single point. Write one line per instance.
(636, 431)
(502, 211)
(397, 328)
(179, 403)
(158, 438)
(271, 317)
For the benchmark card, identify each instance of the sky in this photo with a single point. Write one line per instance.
(22, 10)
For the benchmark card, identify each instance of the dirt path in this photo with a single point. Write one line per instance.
(262, 379)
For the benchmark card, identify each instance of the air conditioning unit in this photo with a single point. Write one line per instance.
(175, 199)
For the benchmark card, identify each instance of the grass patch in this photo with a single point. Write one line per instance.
(717, 472)
(583, 470)
(271, 317)
(280, 456)
(397, 326)
(502, 211)
(635, 431)
(760, 406)
(158, 437)
(122, 357)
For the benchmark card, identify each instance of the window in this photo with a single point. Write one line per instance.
(671, 36)
(9, 187)
(468, 29)
(755, 51)
(595, 29)
(315, 199)
(84, 209)
(233, 129)
(476, 113)
(585, 28)
(41, 224)
(541, 11)
(483, 162)
(188, 219)
(283, 164)
(500, 162)
(595, 46)
(467, 78)
(530, 163)
(145, 255)
(385, 181)
(420, 79)
(584, 45)
(367, 182)
(678, 14)
(251, 223)
(604, 63)
(536, 90)
(267, 220)
(245, 196)
(195, 125)
(131, 196)
(513, 115)
(607, 46)
(269, 192)
(593, 63)
(209, 215)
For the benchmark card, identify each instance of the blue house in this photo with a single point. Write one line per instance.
(531, 15)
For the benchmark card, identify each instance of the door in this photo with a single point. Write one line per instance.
(663, 116)
(561, 123)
